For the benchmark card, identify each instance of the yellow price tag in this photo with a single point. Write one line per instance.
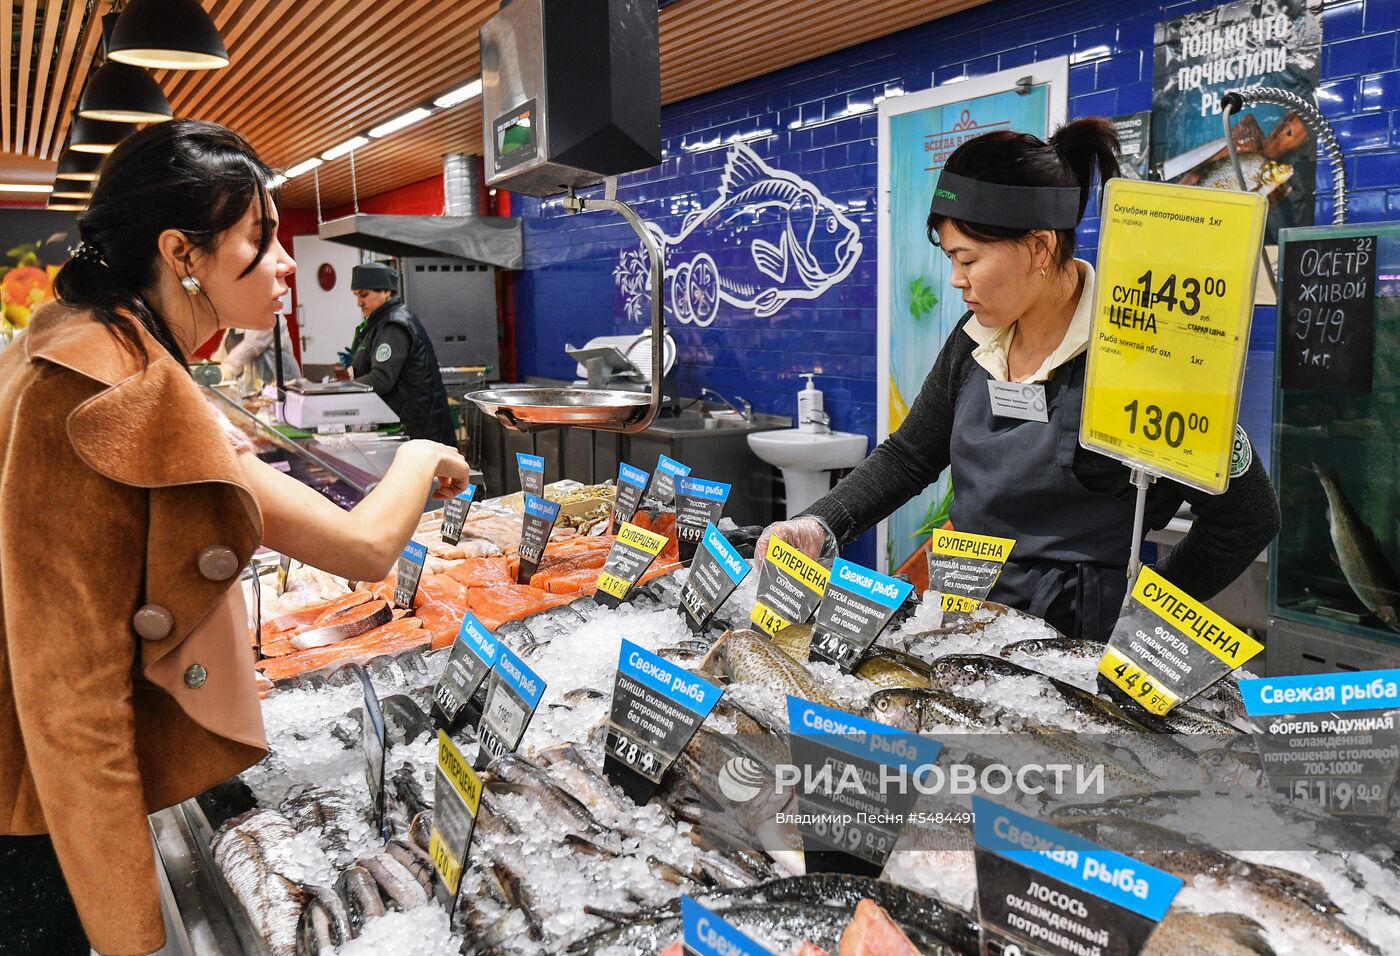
(1173, 300)
(768, 621)
(467, 785)
(1136, 683)
(796, 565)
(641, 539)
(960, 544)
(449, 868)
(960, 604)
(614, 585)
(1192, 618)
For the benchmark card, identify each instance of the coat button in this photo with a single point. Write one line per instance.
(153, 622)
(195, 676)
(218, 563)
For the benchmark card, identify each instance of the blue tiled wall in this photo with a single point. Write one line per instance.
(568, 293)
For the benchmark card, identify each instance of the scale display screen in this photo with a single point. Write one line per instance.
(515, 137)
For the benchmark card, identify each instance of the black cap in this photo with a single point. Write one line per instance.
(374, 275)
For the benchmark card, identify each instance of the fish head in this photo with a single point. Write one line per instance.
(1290, 134)
(716, 661)
(897, 708)
(824, 243)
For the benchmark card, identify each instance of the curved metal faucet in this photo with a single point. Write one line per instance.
(575, 203)
(1316, 123)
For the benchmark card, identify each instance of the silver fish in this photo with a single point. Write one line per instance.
(1284, 898)
(324, 924)
(250, 853)
(399, 885)
(415, 860)
(1359, 555)
(360, 894)
(1219, 934)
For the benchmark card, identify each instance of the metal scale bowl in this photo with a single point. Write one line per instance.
(534, 52)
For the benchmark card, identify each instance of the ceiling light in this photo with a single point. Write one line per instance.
(24, 188)
(121, 93)
(302, 167)
(71, 193)
(66, 206)
(335, 152)
(167, 35)
(276, 181)
(97, 136)
(83, 166)
(398, 123)
(460, 95)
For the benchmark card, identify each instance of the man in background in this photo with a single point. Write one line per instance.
(393, 355)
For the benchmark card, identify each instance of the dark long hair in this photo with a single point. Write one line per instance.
(189, 175)
(1072, 156)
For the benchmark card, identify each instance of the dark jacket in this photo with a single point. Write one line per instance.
(1229, 532)
(394, 355)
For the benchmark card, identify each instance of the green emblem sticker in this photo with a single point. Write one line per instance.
(1241, 453)
(383, 353)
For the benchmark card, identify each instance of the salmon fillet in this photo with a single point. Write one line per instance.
(440, 589)
(580, 583)
(442, 621)
(871, 932)
(391, 638)
(338, 606)
(497, 604)
(481, 572)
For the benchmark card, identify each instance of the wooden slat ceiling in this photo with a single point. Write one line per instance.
(309, 74)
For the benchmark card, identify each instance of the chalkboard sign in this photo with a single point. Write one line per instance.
(1327, 329)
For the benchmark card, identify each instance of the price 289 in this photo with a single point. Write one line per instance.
(1168, 426)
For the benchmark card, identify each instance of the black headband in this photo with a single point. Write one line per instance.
(1014, 207)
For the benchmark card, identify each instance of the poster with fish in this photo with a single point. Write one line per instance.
(794, 245)
(918, 308)
(34, 245)
(1199, 57)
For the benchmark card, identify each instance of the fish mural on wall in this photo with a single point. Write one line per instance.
(795, 243)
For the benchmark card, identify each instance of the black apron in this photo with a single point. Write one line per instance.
(1015, 479)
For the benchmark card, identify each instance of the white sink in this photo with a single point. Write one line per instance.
(807, 459)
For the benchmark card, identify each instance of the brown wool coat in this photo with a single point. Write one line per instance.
(118, 491)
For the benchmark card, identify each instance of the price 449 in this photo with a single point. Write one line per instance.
(1136, 682)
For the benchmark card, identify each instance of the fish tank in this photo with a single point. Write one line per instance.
(1336, 447)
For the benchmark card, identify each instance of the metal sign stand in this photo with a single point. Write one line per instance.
(1142, 480)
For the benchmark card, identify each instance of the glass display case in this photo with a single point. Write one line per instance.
(342, 467)
(1336, 454)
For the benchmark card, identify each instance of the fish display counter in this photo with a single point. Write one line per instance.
(338, 840)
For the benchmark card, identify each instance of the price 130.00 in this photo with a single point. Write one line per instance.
(1168, 426)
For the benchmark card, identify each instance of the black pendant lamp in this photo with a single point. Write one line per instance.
(97, 136)
(64, 188)
(119, 93)
(167, 35)
(66, 205)
(83, 166)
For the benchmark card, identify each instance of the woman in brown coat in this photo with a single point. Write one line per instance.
(126, 512)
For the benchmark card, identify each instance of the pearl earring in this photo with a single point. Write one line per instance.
(191, 285)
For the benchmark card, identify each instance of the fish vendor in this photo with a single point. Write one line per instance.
(393, 354)
(1004, 212)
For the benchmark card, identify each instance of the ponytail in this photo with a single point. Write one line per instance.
(1087, 146)
(89, 282)
(1074, 155)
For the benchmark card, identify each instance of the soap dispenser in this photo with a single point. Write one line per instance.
(811, 416)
